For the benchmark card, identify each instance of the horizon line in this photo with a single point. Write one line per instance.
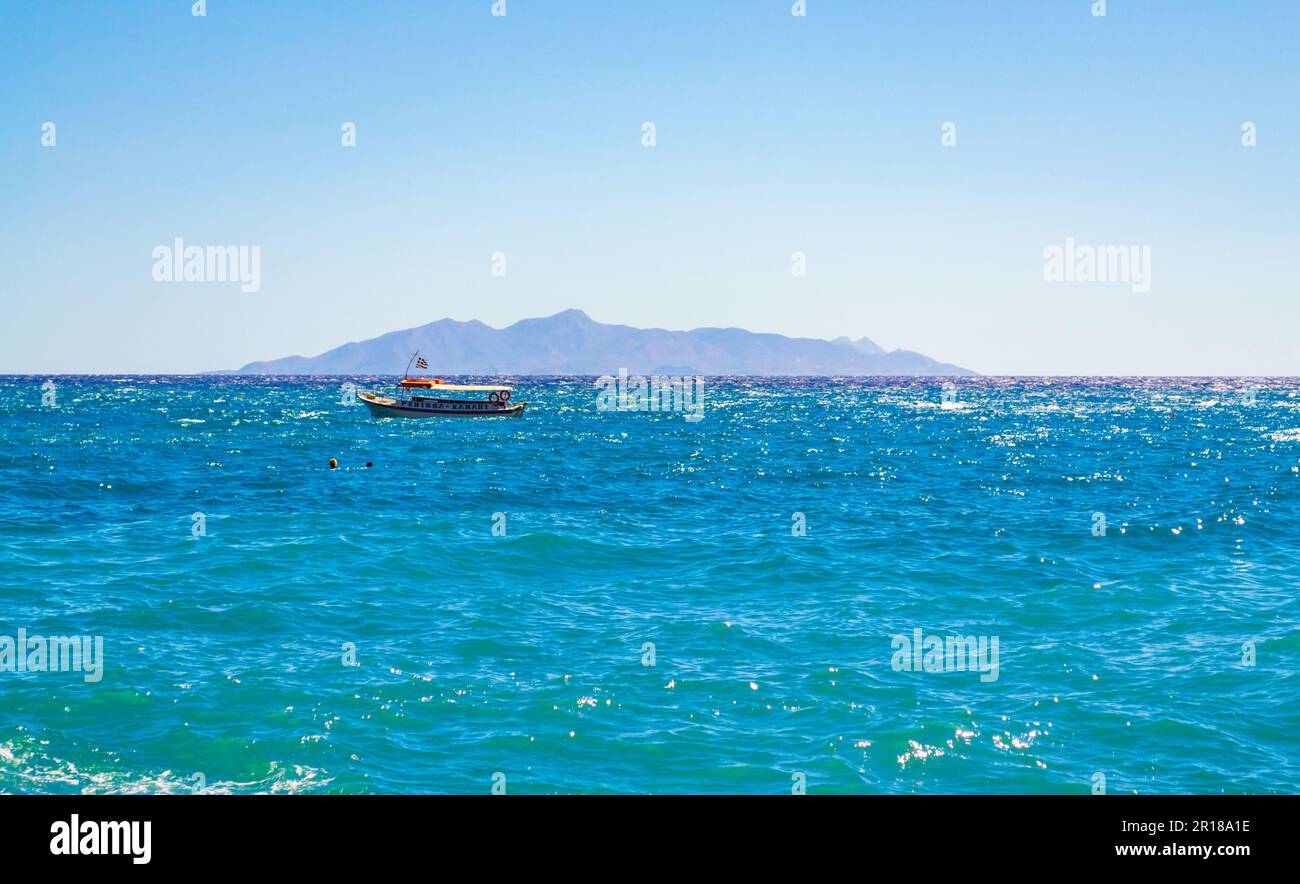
(914, 377)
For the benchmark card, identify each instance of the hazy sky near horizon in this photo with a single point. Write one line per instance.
(774, 134)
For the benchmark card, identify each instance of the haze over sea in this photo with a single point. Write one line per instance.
(1126, 654)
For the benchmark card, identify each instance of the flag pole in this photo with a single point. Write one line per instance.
(406, 374)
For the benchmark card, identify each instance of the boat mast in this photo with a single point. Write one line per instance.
(406, 374)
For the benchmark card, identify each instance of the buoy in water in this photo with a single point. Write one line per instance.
(334, 463)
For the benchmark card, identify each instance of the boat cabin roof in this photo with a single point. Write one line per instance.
(439, 384)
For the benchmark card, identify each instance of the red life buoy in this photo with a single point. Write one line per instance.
(505, 395)
(494, 397)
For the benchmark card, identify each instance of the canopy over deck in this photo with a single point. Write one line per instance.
(439, 384)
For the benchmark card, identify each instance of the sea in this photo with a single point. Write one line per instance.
(806, 585)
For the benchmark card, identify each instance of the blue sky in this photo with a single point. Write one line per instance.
(775, 134)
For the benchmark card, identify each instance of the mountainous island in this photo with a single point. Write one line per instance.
(571, 342)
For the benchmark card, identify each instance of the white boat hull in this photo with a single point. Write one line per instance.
(383, 406)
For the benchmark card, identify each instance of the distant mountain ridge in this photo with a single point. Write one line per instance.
(571, 342)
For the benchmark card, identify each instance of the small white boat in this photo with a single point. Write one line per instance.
(424, 397)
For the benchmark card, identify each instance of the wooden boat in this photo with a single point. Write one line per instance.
(424, 397)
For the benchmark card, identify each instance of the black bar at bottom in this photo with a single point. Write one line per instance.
(536, 834)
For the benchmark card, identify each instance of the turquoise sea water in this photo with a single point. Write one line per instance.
(525, 654)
